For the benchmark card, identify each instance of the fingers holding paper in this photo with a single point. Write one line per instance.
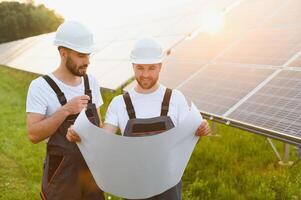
(203, 129)
(72, 136)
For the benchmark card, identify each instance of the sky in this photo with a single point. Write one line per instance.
(116, 13)
(110, 13)
(102, 15)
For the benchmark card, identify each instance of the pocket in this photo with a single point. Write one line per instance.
(55, 164)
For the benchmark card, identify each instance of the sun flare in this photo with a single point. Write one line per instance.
(212, 21)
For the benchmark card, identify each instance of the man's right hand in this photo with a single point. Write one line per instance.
(75, 105)
(72, 136)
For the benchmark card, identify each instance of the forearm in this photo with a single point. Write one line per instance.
(42, 129)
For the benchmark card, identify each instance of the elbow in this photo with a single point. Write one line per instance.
(33, 138)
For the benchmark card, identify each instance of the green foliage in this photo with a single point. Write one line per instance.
(107, 98)
(19, 20)
(20, 161)
(237, 165)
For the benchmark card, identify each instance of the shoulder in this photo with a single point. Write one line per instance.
(178, 100)
(92, 79)
(94, 85)
(117, 100)
(116, 104)
(177, 95)
(38, 83)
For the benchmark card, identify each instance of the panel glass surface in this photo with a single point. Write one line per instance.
(276, 106)
(272, 46)
(216, 88)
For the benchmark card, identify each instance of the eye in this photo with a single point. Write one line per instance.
(80, 55)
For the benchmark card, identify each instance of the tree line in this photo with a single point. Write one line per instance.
(20, 20)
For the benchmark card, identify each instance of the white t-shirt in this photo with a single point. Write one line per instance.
(42, 99)
(146, 106)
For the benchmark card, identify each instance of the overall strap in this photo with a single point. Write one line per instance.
(165, 103)
(60, 95)
(87, 87)
(129, 105)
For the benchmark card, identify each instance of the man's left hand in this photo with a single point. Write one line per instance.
(203, 129)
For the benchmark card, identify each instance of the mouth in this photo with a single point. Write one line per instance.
(83, 68)
(145, 79)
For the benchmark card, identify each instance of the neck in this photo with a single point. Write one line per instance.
(64, 75)
(139, 89)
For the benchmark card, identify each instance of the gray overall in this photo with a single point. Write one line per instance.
(66, 175)
(151, 126)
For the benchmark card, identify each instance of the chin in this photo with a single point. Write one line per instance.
(147, 87)
(82, 73)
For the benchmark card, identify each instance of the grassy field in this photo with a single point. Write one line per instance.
(236, 165)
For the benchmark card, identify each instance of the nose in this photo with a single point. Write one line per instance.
(87, 60)
(145, 73)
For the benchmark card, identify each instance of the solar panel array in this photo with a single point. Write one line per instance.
(110, 64)
(250, 71)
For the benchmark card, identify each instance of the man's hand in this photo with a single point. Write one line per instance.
(72, 136)
(203, 129)
(76, 104)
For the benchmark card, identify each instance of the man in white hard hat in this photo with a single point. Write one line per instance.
(53, 103)
(149, 108)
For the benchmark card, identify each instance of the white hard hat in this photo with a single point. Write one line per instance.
(75, 36)
(147, 51)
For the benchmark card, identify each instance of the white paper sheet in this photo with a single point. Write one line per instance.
(138, 167)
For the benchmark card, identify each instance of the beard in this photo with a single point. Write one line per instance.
(147, 84)
(74, 69)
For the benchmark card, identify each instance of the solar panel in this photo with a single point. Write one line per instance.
(296, 62)
(217, 87)
(40, 59)
(114, 77)
(272, 46)
(251, 14)
(117, 50)
(204, 47)
(11, 50)
(289, 16)
(276, 106)
(181, 70)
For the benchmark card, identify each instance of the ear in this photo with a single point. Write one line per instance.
(160, 66)
(134, 65)
(63, 53)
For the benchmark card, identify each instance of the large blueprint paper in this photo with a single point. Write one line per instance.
(138, 167)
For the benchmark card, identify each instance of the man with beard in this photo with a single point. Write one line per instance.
(149, 108)
(53, 103)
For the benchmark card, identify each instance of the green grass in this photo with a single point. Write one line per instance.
(236, 165)
(20, 161)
